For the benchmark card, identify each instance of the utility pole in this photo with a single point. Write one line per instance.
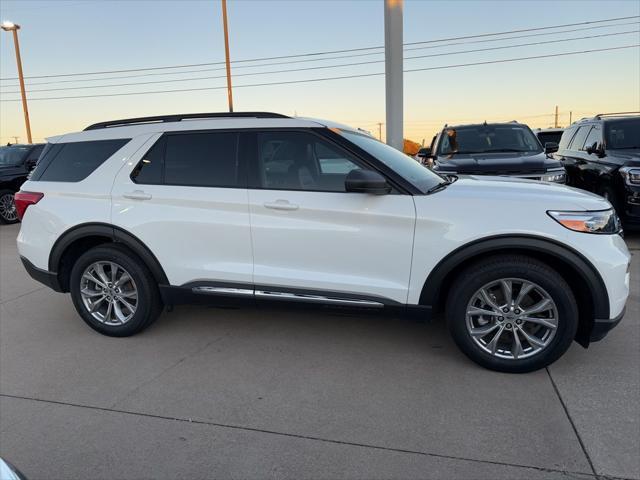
(15, 138)
(380, 131)
(226, 54)
(12, 27)
(570, 117)
(393, 71)
(556, 121)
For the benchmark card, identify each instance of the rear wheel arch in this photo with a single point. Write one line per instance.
(77, 240)
(586, 283)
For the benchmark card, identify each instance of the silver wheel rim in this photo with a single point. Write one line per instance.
(109, 293)
(512, 318)
(8, 207)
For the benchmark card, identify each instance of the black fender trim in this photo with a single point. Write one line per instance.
(504, 243)
(116, 234)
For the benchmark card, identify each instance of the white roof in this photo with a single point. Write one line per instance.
(130, 131)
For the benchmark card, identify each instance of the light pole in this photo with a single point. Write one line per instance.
(393, 71)
(12, 27)
(226, 54)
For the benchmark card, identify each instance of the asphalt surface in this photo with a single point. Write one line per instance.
(248, 393)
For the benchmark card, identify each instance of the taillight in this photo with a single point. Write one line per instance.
(24, 199)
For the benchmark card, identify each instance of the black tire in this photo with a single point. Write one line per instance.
(504, 267)
(149, 303)
(7, 217)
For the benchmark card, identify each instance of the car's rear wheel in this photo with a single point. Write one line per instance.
(512, 313)
(114, 292)
(8, 213)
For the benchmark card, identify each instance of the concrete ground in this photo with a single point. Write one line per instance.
(247, 393)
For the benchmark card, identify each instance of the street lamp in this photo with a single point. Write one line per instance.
(12, 27)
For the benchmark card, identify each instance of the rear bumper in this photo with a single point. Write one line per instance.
(45, 277)
(602, 327)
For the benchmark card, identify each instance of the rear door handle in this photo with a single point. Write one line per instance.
(281, 205)
(137, 195)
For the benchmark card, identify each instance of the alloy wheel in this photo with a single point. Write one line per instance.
(109, 293)
(512, 318)
(8, 208)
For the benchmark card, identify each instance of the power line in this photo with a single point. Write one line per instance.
(323, 67)
(331, 51)
(325, 58)
(313, 80)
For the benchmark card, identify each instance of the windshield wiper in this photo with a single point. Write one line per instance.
(506, 150)
(439, 186)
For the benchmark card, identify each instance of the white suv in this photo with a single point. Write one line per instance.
(135, 214)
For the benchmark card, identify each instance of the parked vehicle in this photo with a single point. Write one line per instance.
(135, 214)
(504, 149)
(16, 161)
(9, 472)
(602, 155)
(549, 135)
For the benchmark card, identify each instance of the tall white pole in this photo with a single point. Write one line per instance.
(393, 71)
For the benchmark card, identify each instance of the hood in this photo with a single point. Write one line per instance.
(9, 170)
(631, 157)
(497, 163)
(550, 196)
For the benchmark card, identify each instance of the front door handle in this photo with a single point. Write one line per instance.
(281, 205)
(137, 195)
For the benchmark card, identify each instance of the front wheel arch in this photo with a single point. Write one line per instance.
(586, 283)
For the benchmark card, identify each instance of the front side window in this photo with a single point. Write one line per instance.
(581, 136)
(594, 138)
(73, 162)
(487, 139)
(301, 161)
(623, 134)
(567, 135)
(415, 173)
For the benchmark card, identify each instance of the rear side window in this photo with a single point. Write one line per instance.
(202, 160)
(73, 162)
(594, 137)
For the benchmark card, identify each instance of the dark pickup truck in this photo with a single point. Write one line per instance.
(16, 161)
(503, 149)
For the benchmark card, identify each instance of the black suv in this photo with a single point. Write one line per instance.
(602, 155)
(16, 161)
(508, 149)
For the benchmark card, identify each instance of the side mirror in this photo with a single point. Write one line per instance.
(366, 181)
(550, 147)
(594, 149)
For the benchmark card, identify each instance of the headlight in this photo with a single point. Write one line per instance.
(557, 176)
(631, 175)
(600, 221)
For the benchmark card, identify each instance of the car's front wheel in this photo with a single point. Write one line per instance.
(8, 213)
(512, 313)
(114, 292)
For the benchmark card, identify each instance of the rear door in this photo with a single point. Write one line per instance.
(186, 200)
(311, 237)
(574, 158)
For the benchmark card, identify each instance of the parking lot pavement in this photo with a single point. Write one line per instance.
(208, 392)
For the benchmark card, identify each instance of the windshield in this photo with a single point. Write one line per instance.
(405, 166)
(12, 155)
(623, 134)
(488, 138)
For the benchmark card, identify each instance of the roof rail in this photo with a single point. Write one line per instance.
(616, 114)
(180, 117)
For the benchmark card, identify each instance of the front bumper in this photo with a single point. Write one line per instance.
(49, 279)
(602, 327)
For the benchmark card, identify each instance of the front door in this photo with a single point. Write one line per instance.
(310, 236)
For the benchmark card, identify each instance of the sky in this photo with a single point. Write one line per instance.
(78, 36)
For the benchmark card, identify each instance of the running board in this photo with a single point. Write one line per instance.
(284, 296)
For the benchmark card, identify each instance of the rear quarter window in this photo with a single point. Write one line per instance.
(73, 162)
